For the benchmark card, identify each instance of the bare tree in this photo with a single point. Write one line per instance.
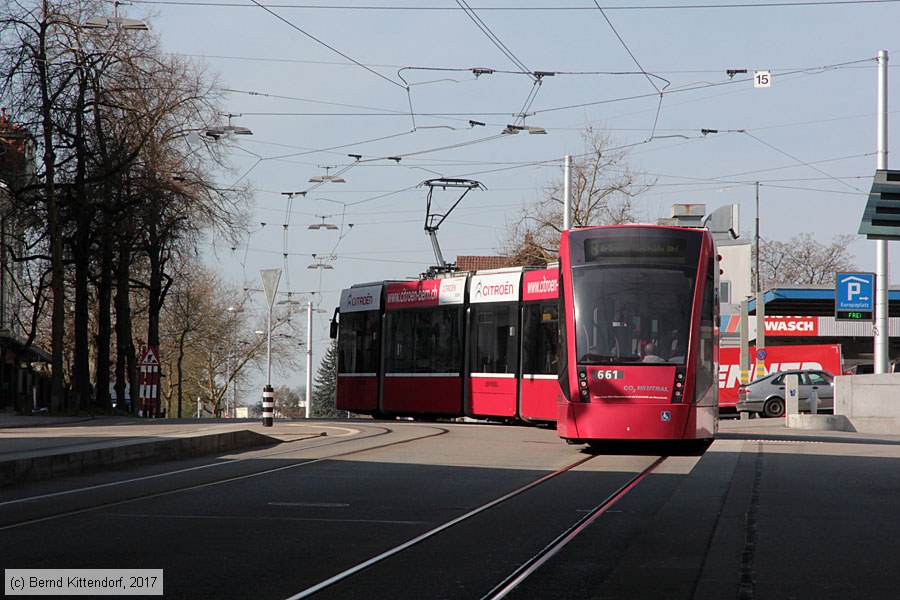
(211, 341)
(803, 260)
(111, 115)
(603, 188)
(166, 196)
(287, 401)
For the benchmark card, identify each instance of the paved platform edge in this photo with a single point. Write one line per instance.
(871, 425)
(77, 463)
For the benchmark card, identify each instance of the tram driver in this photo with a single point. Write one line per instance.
(650, 355)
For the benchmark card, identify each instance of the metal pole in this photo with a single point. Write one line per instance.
(880, 332)
(760, 335)
(269, 348)
(567, 193)
(745, 343)
(268, 401)
(760, 307)
(756, 238)
(308, 357)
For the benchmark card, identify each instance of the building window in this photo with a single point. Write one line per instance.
(725, 292)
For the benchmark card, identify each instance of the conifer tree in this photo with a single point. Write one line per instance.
(325, 386)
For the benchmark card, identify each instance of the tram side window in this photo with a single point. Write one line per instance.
(705, 357)
(400, 339)
(358, 343)
(540, 339)
(494, 339)
(444, 343)
(424, 341)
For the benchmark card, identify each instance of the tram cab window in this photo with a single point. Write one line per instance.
(358, 342)
(622, 309)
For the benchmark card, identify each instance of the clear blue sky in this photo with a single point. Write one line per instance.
(317, 81)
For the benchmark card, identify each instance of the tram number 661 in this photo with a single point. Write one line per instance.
(610, 374)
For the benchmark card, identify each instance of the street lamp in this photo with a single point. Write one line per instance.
(309, 314)
(223, 130)
(513, 129)
(231, 359)
(327, 177)
(321, 264)
(120, 22)
(323, 224)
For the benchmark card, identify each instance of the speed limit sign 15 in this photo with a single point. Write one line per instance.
(762, 79)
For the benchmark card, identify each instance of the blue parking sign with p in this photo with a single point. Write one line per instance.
(854, 298)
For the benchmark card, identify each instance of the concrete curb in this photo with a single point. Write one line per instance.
(870, 425)
(818, 422)
(86, 461)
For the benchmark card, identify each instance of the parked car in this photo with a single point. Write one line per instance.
(869, 368)
(766, 394)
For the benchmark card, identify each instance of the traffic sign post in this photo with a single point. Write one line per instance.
(148, 401)
(270, 279)
(854, 297)
(760, 362)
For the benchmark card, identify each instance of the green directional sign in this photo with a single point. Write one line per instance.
(881, 218)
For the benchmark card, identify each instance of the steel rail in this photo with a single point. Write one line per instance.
(428, 534)
(534, 563)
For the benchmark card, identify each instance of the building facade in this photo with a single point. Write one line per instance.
(22, 387)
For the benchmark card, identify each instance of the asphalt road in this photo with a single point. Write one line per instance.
(367, 508)
(281, 520)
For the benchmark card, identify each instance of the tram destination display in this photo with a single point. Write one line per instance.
(634, 248)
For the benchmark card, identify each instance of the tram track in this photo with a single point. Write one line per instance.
(50, 500)
(534, 563)
(461, 536)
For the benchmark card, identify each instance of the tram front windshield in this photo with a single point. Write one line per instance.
(632, 314)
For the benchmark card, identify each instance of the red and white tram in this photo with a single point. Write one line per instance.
(423, 347)
(639, 334)
(483, 345)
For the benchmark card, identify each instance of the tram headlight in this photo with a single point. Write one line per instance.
(680, 377)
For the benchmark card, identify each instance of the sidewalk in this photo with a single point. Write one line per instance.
(42, 447)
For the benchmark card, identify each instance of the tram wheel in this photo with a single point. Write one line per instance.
(774, 407)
